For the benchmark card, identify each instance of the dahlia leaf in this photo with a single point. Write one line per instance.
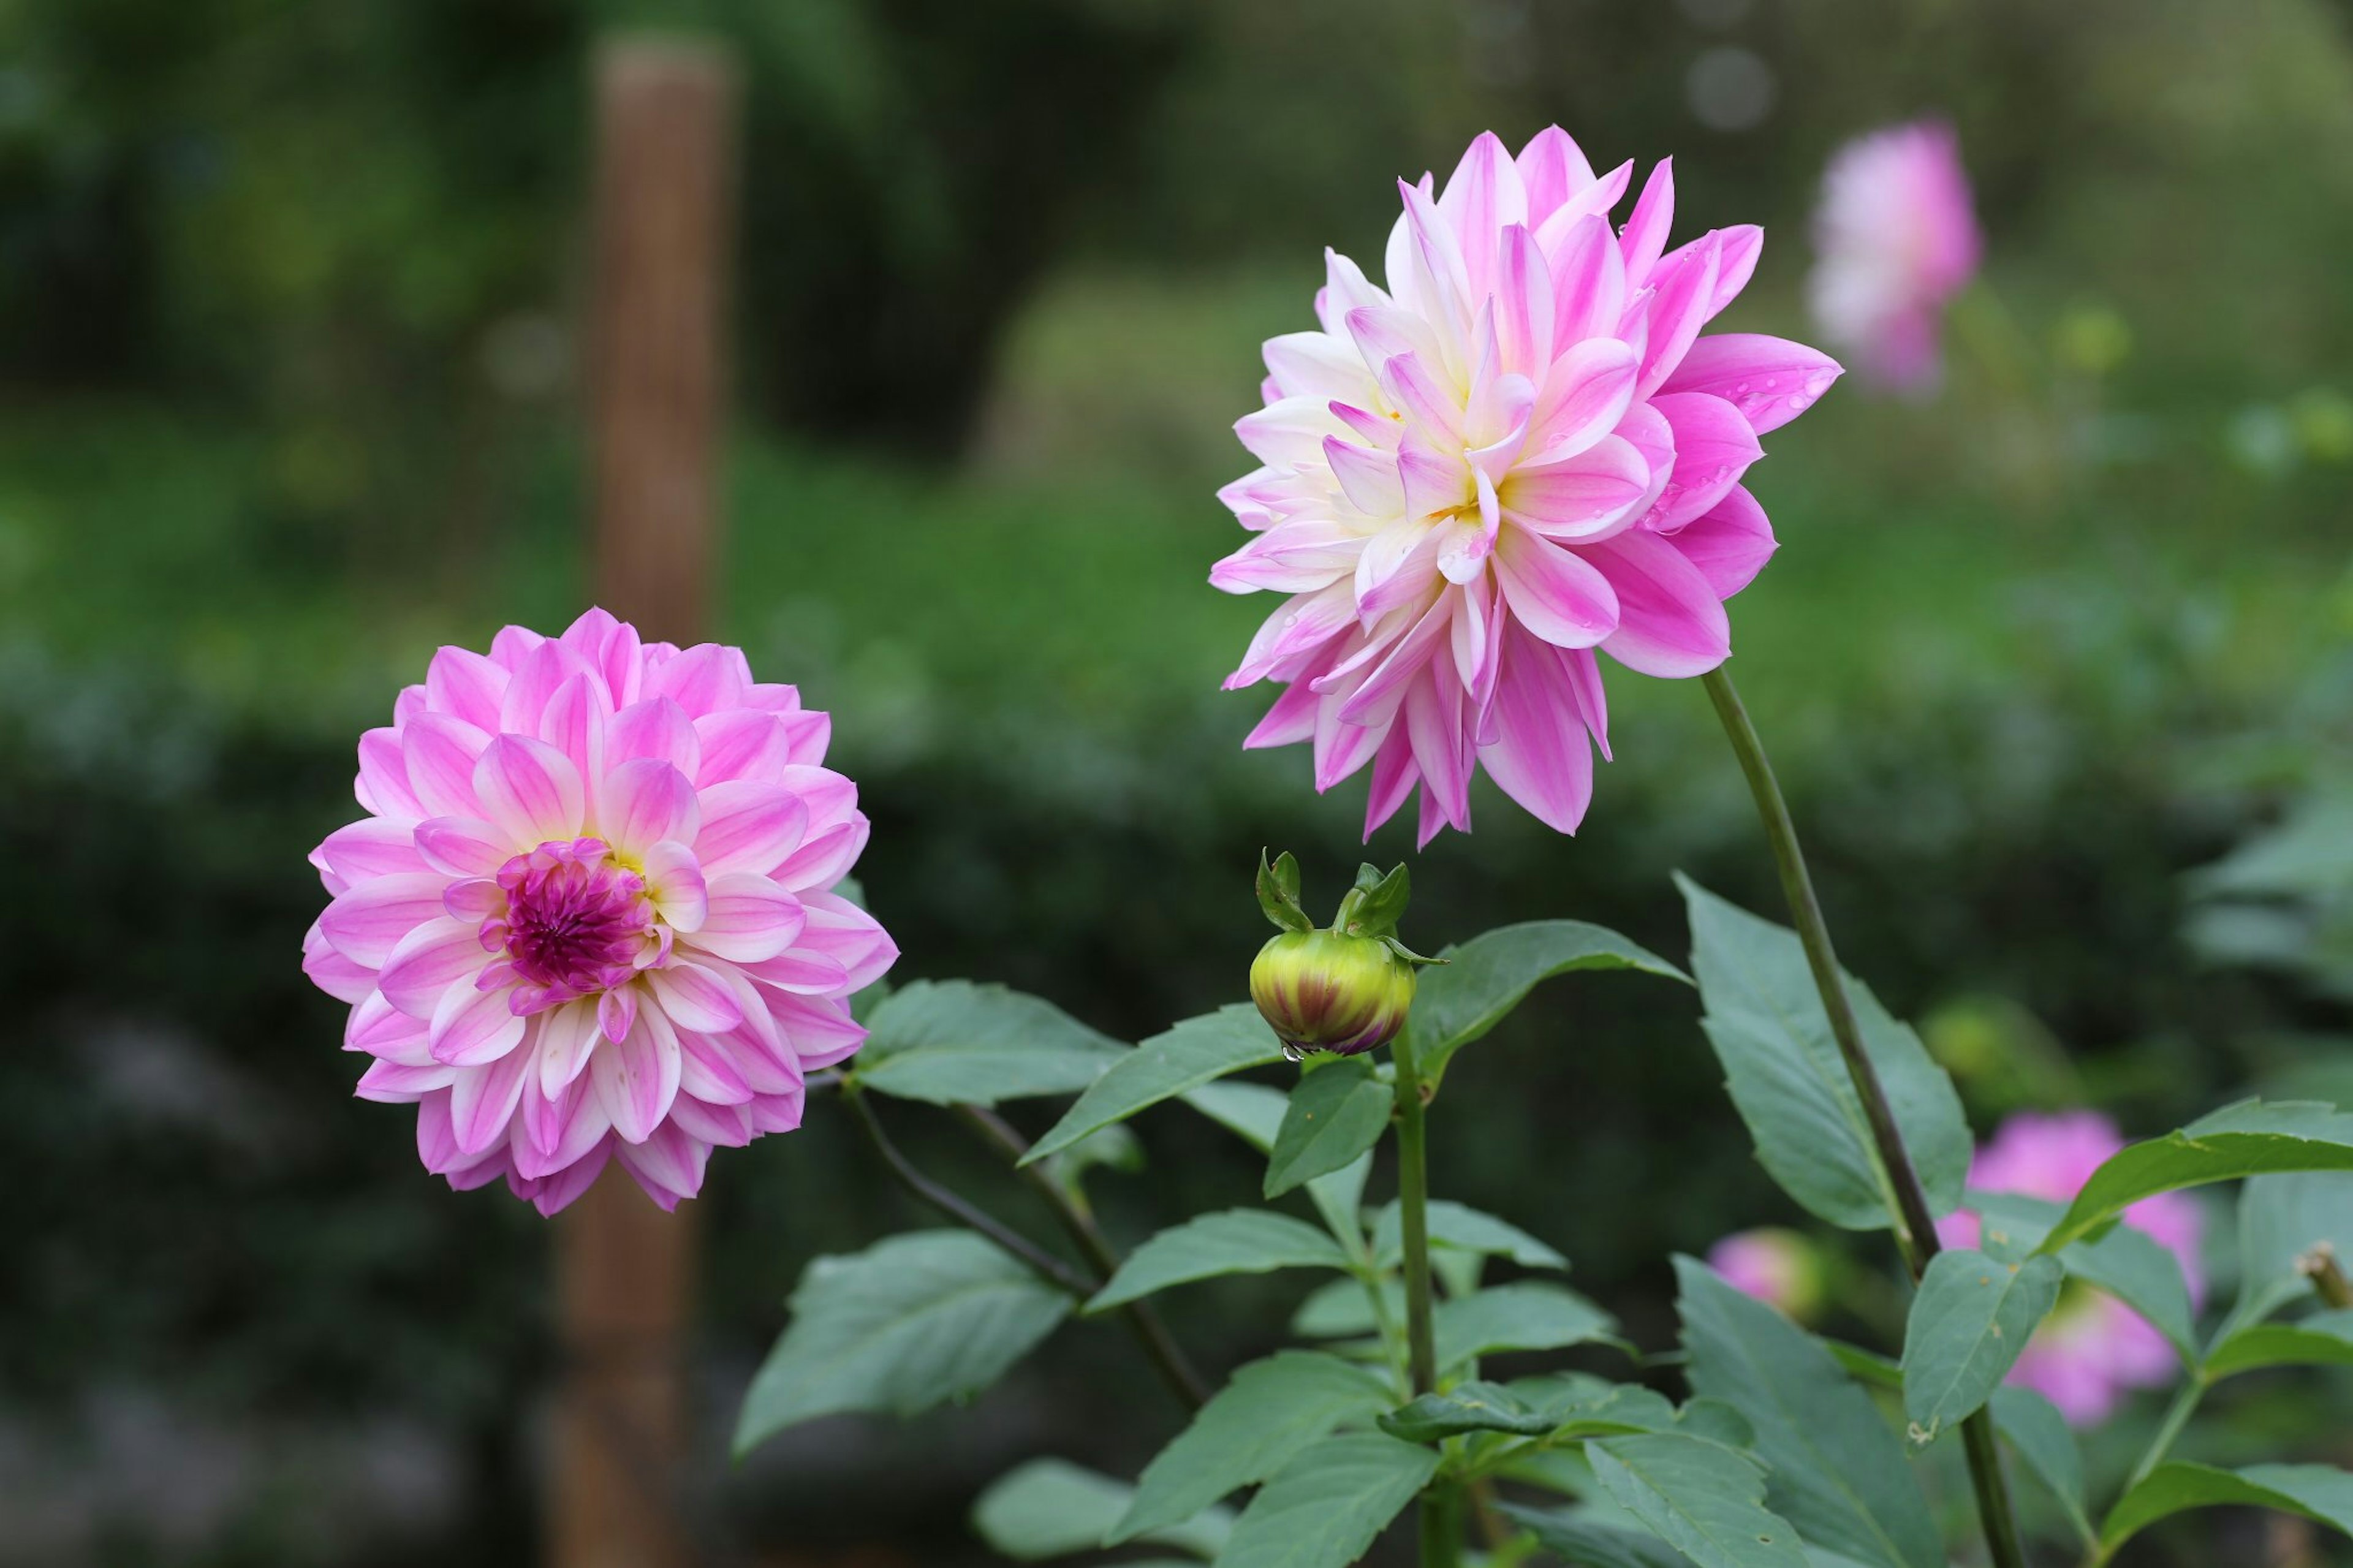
(2249, 1138)
(1336, 1114)
(1703, 1500)
(1254, 1112)
(1481, 981)
(953, 1042)
(1523, 1316)
(1325, 1509)
(1835, 1468)
(1567, 1534)
(1250, 1429)
(2281, 1219)
(2325, 1339)
(2043, 1441)
(1471, 1406)
(1197, 1051)
(1969, 1320)
(1237, 1241)
(1467, 1229)
(908, 1323)
(1051, 1507)
(2321, 1493)
(1764, 1019)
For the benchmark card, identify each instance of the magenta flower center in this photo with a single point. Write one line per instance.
(577, 921)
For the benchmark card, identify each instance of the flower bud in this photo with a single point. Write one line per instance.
(1325, 990)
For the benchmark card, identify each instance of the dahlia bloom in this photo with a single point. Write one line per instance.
(1519, 452)
(590, 913)
(1894, 238)
(2092, 1349)
(1779, 1267)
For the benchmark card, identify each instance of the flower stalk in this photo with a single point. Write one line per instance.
(1440, 1516)
(1916, 1228)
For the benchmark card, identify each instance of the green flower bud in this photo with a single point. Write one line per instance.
(1327, 991)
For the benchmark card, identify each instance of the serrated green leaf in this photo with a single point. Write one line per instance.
(1483, 979)
(2281, 1218)
(952, 1042)
(1336, 1114)
(913, 1321)
(1248, 1430)
(1836, 1469)
(1716, 1421)
(1465, 1229)
(1525, 1316)
(2041, 1438)
(2249, 1138)
(1469, 1406)
(1590, 1543)
(1197, 1051)
(1764, 1019)
(2325, 1339)
(1238, 1241)
(1112, 1148)
(2321, 1493)
(1051, 1507)
(1254, 1112)
(1579, 1405)
(1703, 1500)
(1326, 1507)
(1865, 1366)
(1969, 1320)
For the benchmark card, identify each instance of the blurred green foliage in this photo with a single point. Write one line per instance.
(287, 326)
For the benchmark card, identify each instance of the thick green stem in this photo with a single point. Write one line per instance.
(1915, 1226)
(1440, 1523)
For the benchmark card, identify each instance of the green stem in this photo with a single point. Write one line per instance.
(1441, 1526)
(1159, 1346)
(1915, 1225)
(2177, 1417)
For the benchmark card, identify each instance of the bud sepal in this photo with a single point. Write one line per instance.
(1347, 989)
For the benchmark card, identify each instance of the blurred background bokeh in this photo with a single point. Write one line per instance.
(290, 339)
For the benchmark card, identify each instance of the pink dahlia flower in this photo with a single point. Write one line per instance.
(1895, 238)
(590, 913)
(1779, 1267)
(1519, 452)
(2092, 1349)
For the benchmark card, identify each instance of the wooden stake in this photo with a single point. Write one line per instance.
(664, 230)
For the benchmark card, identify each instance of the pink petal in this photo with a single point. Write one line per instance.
(694, 999)
(848, 935)
(428, 962)
(552, 1192)
(530, 790)
(1669, 622)
(748, 826)
(750, 919)
(1319, 365)
(1554, 591)
(638, 1079)
(384, 1031)
(392, 1083)
(1585, 394)
(1368, 478)
(1646, 231)
(559, 1130)
(1551, 168)
(819, 1030)
(370, 847)
(741, 743)
(657, 728)
(1743, 244)
(365, 924)
(1524, 310)
(706, 679)
(1483, 198)
(334, 973)
(667, 1164)
(471, 1028)
(825, 857)
(464, 846)
(567, 1034)
(675, 879)
(382, 786)
(707, 1072)
(644, 801)
(801, 971)
(1770, 380)
(467, 686)
(1713, 447)
(440, 752)
(1541, 755)
(1586, 496)
(1588, 284)
(1684, 287)
(1290, 720)
(482, 1100)
(1303, 624)
(1394, 776)
(1298, 556)
(1287, 434)
(1434, 721)
(574, 721)
(1425, 403)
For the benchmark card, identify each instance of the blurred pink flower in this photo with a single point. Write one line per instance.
(2092, 1349)
(1779, 1267)
(1519, 452)
(590, 912)
(1894, 238)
